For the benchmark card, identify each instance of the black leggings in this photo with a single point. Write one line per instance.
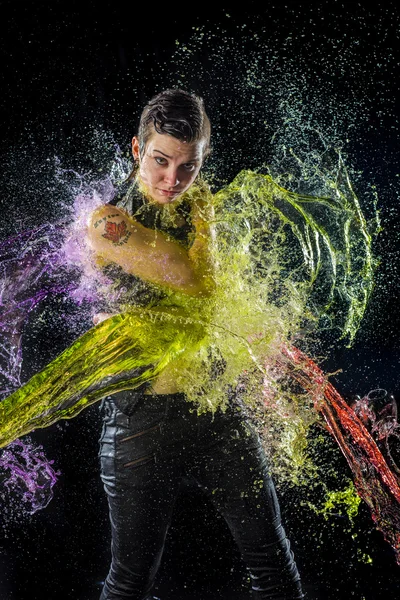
(144, 458)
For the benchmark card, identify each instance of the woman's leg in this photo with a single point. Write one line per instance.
(141, 493)
(233, 470)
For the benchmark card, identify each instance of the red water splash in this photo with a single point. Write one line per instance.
(375, 482)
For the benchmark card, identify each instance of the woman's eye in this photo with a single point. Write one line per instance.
(189, 166)
(160, 160)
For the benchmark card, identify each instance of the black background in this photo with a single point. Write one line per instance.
(69, 68)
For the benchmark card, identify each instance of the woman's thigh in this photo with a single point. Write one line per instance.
(141, 486)
(234, 471)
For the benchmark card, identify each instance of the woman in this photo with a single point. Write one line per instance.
(154, 241)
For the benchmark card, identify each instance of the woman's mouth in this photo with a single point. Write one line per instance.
(169, 193)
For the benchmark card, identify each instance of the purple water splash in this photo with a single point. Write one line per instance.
(28, 264)
(51, 259)
(48, 260)
(29, 474)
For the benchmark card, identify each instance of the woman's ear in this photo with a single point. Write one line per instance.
(135, 148)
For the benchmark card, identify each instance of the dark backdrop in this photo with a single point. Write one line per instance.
(71, 69)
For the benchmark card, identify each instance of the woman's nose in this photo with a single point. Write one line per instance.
(171, 176)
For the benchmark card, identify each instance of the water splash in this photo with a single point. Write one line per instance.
(290, 265)
(328, 273)
(35, 265)
(280, 269)
(374, 480)
(28, 474)
(30, 272)
(378, 413)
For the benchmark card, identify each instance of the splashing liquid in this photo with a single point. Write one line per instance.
(267, 289)
(288, 265)
(376, 484)
(30, 474)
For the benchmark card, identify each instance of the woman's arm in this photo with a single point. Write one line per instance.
(115, 237)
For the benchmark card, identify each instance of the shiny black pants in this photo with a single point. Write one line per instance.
(144, 458)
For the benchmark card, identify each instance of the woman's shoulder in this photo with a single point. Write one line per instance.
(107, 225)
(104, 212)
(101, 218)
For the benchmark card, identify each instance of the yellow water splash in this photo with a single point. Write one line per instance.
(284, 261)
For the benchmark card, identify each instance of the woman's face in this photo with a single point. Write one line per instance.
(168, 167)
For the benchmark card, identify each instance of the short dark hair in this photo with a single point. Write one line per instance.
(178, 113)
